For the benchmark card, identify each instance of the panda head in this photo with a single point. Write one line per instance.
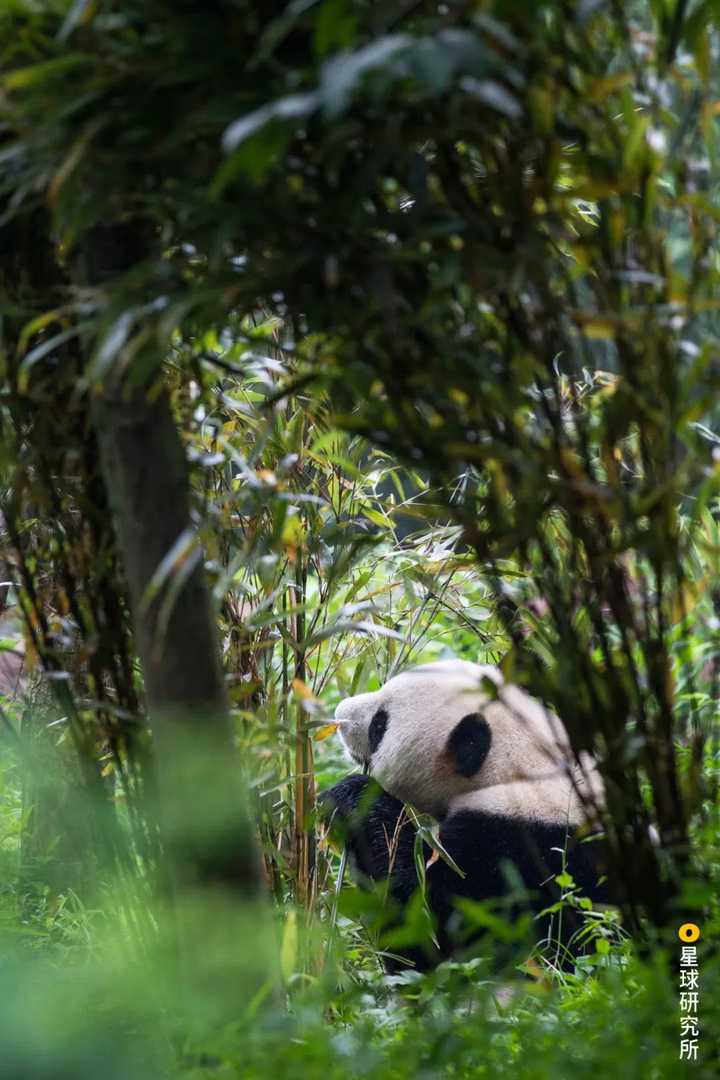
(440, 731)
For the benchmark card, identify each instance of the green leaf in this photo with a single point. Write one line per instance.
(293, 107)
(40, 351)
(27, 78)
(335, 27)
(82, 11)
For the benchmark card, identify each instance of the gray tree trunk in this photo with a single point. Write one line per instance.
(145, 471)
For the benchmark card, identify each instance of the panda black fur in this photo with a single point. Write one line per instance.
(495, 769)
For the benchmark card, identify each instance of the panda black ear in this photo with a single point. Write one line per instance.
(469, 743)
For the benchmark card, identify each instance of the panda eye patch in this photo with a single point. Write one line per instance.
(469, 743)
(378, 726)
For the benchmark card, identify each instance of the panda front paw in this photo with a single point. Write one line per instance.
(354, 804)
(363, 816)
(344, 798)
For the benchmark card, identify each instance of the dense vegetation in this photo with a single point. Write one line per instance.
(337, 336)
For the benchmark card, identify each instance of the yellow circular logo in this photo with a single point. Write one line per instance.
(689, 932)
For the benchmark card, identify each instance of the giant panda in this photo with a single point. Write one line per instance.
(495, 769)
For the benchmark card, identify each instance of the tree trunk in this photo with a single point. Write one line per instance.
(145, 471)
(146, 476)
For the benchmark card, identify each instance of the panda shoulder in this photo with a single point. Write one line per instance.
(553, 800)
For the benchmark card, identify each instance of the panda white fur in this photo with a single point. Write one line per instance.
(495, 768)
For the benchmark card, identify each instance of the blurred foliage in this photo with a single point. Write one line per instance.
(433, 289)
